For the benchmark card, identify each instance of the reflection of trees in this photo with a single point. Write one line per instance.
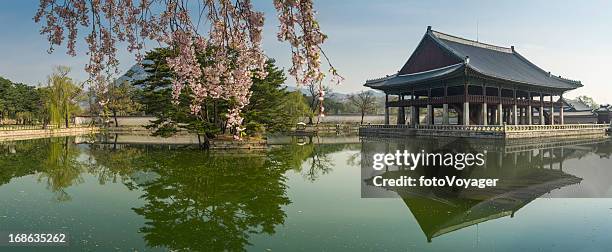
(55, 159)
(318, 162)
(61, 168)
(194, 200)
(210, 202)
(17, 160)
(112, 164)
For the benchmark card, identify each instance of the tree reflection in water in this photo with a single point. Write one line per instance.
(61, 169)
(54, 160)
(209, 201)
(203, 201)
(194, 200)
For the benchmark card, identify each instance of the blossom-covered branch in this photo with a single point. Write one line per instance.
(230, 31)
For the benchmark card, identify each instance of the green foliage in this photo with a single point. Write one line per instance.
(121, 100)
(156, 98)
(272, 108)
(20, 103)
(588, 101)
(62, 97)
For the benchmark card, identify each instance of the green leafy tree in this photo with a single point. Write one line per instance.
(62, 100)
(121, 100)
(267, 111)
(296, 107)
(272, 108)
(20, 102)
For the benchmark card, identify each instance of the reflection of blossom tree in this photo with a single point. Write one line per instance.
(112, 164)
(210, 202)
(319, 163)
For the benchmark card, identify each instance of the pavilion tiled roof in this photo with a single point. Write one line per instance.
(489, 60)
(575, 105)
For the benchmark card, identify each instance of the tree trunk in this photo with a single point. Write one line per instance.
(115, 141)
(66, 120)
(206, 144)
(115, 116)
(362, 115)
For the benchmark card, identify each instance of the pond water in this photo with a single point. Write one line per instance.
(299, 196)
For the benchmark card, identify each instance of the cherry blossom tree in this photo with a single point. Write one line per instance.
(232, 30)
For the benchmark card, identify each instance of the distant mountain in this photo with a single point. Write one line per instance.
(135, 73)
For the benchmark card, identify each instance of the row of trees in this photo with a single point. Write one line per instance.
(19, 103)
(272, 108)
(53, 103)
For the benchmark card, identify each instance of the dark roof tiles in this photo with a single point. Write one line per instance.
(501, 62)
(485, 59)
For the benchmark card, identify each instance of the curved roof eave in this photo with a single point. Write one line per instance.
(470, 67)
(398, 81)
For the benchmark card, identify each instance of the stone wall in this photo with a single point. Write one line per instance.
(181, 139)
(43, 133)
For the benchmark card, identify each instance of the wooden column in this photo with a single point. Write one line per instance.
(542, 121)
(429, 116)
(401, 116)
(386, 109)
(445, 119)
(466, 104)
(485, 110)
(500, 109)
(529, 110)
(561, 117)
(494, 115)
(514, 109)
(414, 115)
(552, 110)
(414, 111)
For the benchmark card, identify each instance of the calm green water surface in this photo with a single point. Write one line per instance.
(297, 196)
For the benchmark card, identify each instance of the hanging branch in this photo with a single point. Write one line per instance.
(233, 39)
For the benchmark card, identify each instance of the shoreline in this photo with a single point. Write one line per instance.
(16, 135)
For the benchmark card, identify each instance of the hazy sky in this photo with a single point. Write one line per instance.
(369, 39)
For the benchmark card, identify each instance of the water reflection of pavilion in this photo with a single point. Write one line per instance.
(527, 170)
(443, 210)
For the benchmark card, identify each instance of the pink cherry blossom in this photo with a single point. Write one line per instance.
(230, 30)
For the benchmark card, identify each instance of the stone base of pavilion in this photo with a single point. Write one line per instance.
(484, 131)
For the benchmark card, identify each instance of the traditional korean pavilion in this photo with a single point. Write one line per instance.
(482, 84)
(576, 111)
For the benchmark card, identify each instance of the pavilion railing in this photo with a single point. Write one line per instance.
(472, 99)
(474, 128)
(493, 128)
(518, 128)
